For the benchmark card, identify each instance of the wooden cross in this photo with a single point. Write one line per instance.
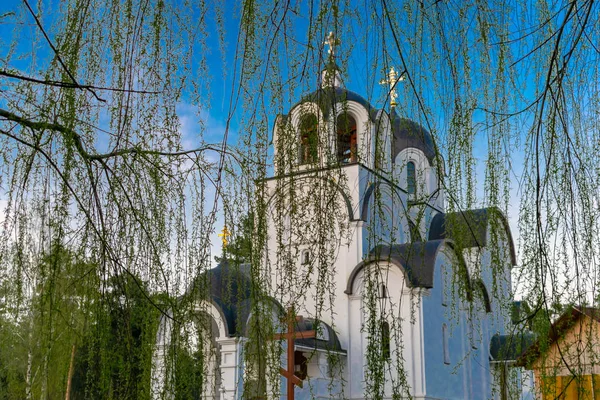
(290, 336)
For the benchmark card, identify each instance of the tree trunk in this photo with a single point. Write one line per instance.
(70, 376)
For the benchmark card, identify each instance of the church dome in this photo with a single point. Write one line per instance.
(327, 97)
(227, 286)
(409, 134)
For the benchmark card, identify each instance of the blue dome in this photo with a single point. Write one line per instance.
(409, 134)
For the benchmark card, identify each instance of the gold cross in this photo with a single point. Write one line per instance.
(331, 41)
(224, 235)
(391, 80)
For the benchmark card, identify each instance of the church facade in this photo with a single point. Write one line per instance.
(401, 297)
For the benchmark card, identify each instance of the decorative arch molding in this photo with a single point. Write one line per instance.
(247, 313)
(328, 98)
(382, 117)
(307, 177)
(216, 313)
(412, 154)
(416, 261)
(280, 124)
(364, 208)
(382, 131)
(422, 173)
(477, 222)
(386, 268)
(210, 307)
(305, 108)
(485, 296)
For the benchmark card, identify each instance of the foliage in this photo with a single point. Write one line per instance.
(114, 359)
(105, 202)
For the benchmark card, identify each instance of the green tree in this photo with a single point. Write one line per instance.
(93, 156)
(114, 359)
(42, 330)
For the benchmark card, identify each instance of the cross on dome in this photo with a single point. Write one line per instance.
(392, 79)
(331, 41)
(224, 235)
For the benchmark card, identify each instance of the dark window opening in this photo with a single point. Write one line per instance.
(385, 340)
(300, 365)
(346, 139)
(308, 139)
(445, 349)
(305, 257)
(415, 234)
(383, 292)
(411, 178)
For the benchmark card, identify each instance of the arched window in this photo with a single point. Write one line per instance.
(411, 178)
(346, 139)
(385, 340)
(309, 139)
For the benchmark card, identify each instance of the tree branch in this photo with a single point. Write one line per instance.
(71, 134)
(70, 85)
(58, 57)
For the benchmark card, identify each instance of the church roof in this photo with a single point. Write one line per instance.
(228, 286)
(326, 338)
(417, 260)
(327, 97)
(409, 134)
(470, 228)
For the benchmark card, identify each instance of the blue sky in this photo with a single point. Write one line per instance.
(361, 64)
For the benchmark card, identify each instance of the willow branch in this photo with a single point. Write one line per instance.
(76, 138)
(70, 85)
(88, 216)
(58, 57)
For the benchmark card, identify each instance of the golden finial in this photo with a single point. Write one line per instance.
(331, 41)
(224, 235)
(392, 79)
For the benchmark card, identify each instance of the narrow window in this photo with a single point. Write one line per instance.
(383, 292)
(308, 139)
(415, 234)
(473, 333)
(385, 340)
(305, 257)
(444, 288)
(346, 139)
(446, 350)
(411, 179)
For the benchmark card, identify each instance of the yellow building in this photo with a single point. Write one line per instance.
(566, 364)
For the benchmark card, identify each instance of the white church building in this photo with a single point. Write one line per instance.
(405, 297)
